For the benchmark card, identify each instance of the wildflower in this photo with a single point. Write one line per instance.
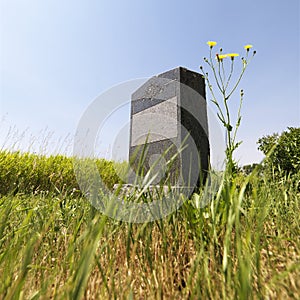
(220, 57)
(211, 43)
(248, 47)
(232, 55)
(223, 56)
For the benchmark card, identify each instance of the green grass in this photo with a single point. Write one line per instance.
(30, 173)
(53, 244)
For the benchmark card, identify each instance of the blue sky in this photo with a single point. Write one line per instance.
(57, 56)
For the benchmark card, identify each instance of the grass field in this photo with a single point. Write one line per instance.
(54, 245)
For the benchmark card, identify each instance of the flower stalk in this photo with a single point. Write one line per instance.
(222, 82)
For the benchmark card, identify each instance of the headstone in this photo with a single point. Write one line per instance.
(169, 129)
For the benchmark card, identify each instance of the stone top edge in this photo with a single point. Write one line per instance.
(174, 74)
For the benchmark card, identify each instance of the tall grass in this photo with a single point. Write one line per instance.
(53, 244)
(31, 173)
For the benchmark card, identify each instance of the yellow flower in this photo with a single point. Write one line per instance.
(220, 57)
(247, 47)
(211, 43)
(232, 55)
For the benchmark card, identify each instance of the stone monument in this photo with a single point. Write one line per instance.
(169, 129)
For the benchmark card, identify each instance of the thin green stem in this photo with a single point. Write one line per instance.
(224, 74)
(245, 65)
(214, 71)
(230, 74)
(238, 116)
(238, 81)
(228, 125)
(214, 98)
(220, 76)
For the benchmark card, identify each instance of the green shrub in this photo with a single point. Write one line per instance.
(282, 151)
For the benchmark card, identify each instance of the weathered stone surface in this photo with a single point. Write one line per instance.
(169, 113)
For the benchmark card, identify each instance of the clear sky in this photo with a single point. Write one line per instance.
(57, 56)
